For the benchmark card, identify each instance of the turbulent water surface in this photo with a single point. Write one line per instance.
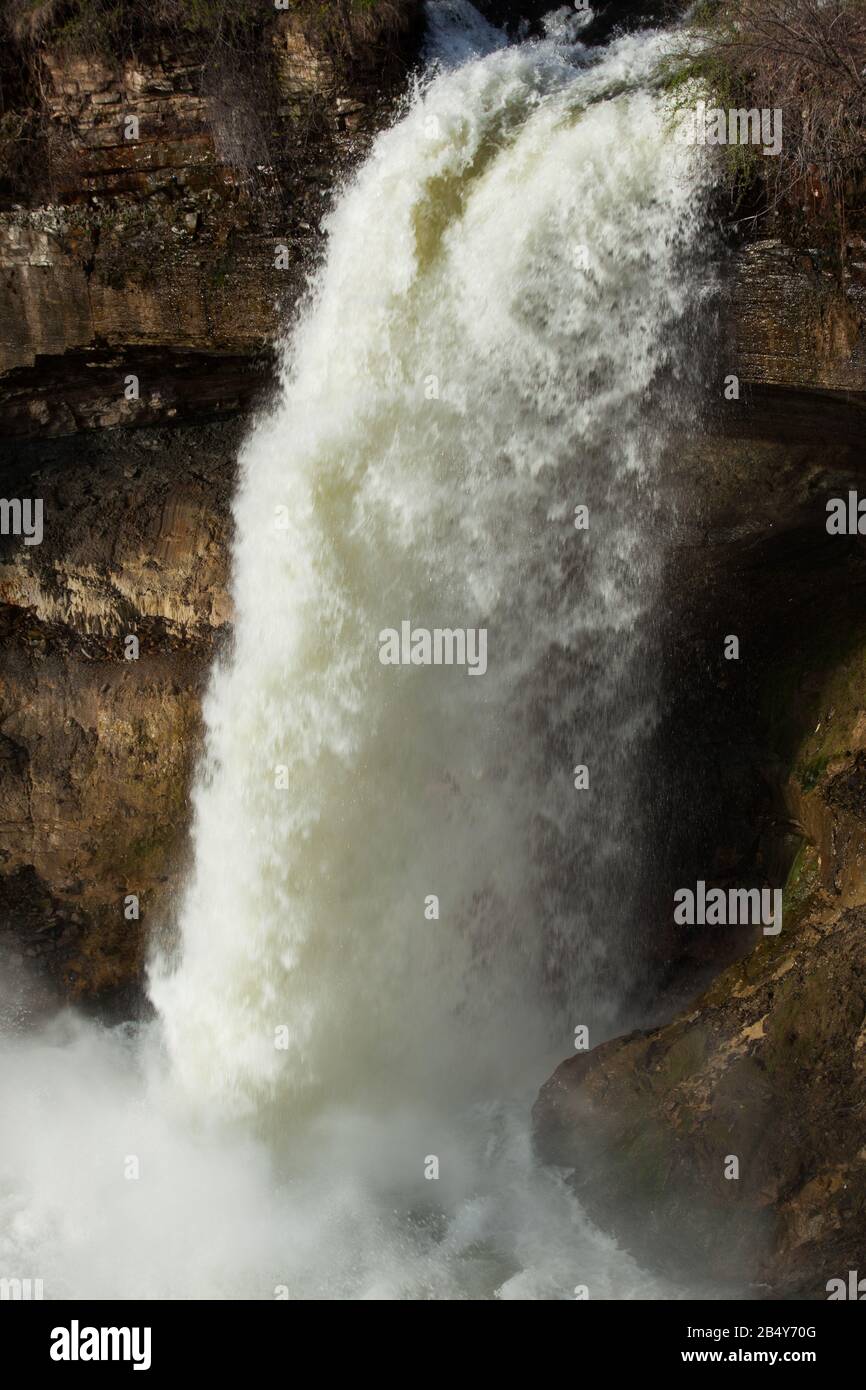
(476, 359)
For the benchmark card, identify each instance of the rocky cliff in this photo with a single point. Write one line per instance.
(179, 213)
(142, 280)
(98, 738)
(762, 760)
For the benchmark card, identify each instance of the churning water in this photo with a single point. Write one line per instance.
(503, 281)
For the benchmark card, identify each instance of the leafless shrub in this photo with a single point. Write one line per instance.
(27, 19)
(361, 36)
(231, 41)
(808, 59)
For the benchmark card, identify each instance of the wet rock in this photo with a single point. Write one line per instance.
(96, 752)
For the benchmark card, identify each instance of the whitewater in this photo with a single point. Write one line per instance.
(333, 1099)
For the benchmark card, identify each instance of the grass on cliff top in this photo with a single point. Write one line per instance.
(230, 39)
(806, 58)
(116, 28)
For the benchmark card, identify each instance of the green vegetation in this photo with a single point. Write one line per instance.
(119, 27)
(804, 881)
(839, 708)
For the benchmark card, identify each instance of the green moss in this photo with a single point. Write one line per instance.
(690, 77)
(810, 774)
(642, 1161)
(685, 1057)
(841, 699)
(804, 880)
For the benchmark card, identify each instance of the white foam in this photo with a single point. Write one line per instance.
(454, 254)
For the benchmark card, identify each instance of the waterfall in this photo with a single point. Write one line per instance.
(401, 906)
(496, 302)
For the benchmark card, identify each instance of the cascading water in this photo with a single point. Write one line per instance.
(502, 280)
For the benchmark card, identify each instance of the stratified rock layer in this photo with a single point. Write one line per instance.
(183, 214)
(97, 745)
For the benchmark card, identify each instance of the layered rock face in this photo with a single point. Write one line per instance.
(146, 289)
(180, 215)
(99, 734)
